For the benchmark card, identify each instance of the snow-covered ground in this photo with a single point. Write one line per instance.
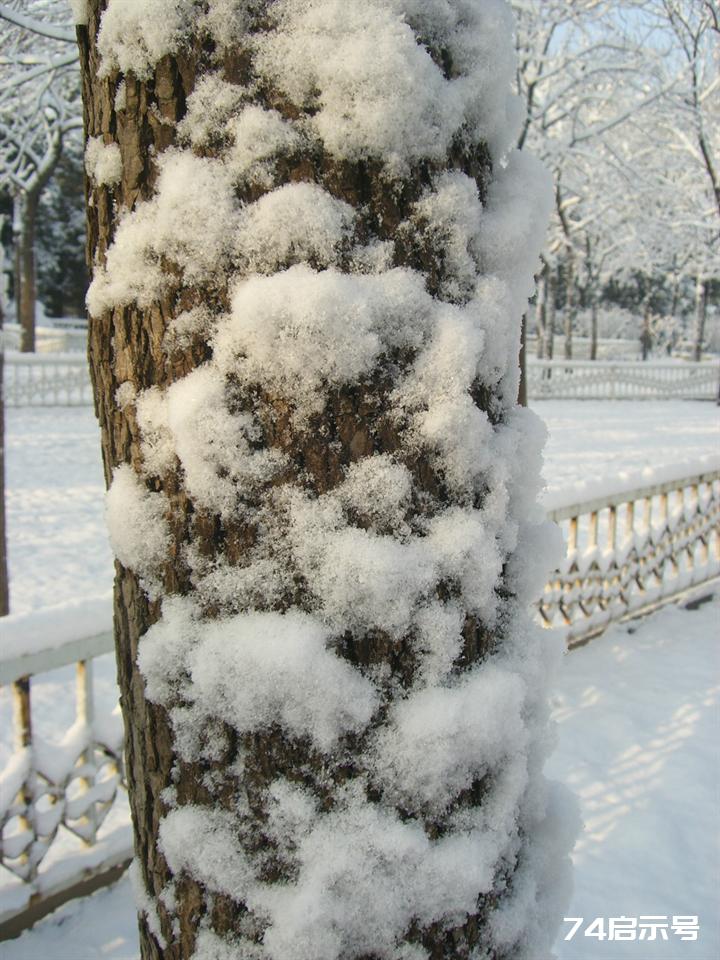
(57, 544)
(594, 439)
(644, 773)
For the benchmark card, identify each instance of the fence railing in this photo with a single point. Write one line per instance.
(46, 380)
(62, 337)
(54, 379)
(622, 379)
(628, 550)
(55, 797)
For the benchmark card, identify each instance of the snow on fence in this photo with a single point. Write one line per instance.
(622, 379)
(46, 380)
(629, 548)
(63, 805)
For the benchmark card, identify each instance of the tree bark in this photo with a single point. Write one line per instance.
(128, 345)
(593, 329)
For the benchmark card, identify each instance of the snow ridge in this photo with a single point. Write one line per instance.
(421, 800)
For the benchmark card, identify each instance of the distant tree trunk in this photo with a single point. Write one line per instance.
(541, 314)
(675, 296)
(570, 307)
(701, 294)
(593, 329)
(550, 314)
(522, 387)
(26, 254)
(211, 536)
(17, 256)
(646, 335)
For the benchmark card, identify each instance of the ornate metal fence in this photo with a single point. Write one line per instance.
(622, 379)
(629, 552)
(55, 798)
(46, 380)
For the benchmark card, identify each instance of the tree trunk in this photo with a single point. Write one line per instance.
(570, 307)
(541, 314)
(235, 813)
(701, 291)
(550, 317)
(646, 335)
(593, 329)
(522, 387)
(17, 259)
(26, 259)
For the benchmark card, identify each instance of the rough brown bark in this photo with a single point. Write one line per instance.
(126, 344)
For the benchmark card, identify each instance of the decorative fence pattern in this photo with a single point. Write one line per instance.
(46, 380)
(622, 379)
(630, 552)
(71, 785)
(50, 379)
(670, 541)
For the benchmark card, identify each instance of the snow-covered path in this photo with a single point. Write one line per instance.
(638, 713)
(638, 718)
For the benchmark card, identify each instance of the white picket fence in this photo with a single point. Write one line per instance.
(63, 379)
(622, 379)
(627, 552)
(46, 380)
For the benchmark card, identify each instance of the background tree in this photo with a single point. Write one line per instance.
(311, 252)
(62, 276)
(39, 106)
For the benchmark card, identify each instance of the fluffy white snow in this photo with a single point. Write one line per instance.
(103, 161)
(377, 91)
(188, 187)
(137, 527)
(133, 36)
(251, 671)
